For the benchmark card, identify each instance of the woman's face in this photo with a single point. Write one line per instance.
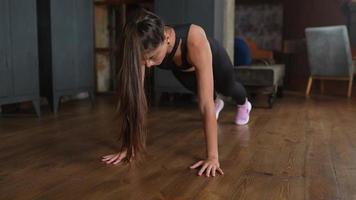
(156, 56)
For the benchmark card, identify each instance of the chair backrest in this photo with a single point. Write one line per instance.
(329, 51)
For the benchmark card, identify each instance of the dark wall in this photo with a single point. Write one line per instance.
(297, 16)
(303, 13)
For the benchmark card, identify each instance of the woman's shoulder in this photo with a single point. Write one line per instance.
(196, 28)
(196, 35)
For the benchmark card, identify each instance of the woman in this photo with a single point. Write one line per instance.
(198, 62)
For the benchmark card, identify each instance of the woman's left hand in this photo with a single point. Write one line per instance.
(209, 166)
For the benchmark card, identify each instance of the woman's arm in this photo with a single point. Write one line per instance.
(199, 54)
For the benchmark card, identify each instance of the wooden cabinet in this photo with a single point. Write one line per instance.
(66, 48)
(18, 53)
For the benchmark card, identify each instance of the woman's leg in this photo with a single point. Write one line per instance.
(188, 80)
(224, 79)
(225, 83)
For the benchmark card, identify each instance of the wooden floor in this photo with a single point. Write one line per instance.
(300, 149)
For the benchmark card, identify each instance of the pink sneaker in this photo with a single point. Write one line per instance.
(219, 105)
(243, 113)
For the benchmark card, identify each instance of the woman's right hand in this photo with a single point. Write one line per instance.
(114, 159)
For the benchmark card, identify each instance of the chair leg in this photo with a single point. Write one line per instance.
(322, 88)
(350, 87)
(310, 82)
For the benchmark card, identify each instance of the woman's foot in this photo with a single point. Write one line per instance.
(219, 105)
(243, 113)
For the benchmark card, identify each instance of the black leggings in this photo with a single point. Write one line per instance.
(224, 81)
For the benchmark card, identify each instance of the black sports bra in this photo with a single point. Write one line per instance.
(181, 32)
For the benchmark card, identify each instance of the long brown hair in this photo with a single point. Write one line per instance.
(143, 33)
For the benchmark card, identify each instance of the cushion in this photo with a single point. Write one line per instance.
(260, 75)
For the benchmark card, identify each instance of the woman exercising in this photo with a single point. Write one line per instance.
(198, 62)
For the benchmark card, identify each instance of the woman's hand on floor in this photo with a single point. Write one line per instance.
(114, 159)
(209, 167)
